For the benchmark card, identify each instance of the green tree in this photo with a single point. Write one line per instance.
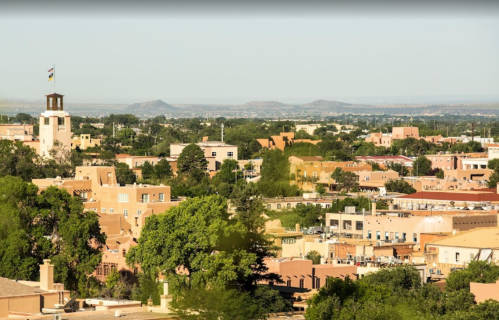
(421, 166)
(17, 159)
(124, 175)
(320, 188)
(192, 162)
(163, 170)
(314, 255)
(51, 225)
(147, 170)
(477, 271)
(400, 186)
(398, 167)
(275, 175)
(345, 180)
(197, 236)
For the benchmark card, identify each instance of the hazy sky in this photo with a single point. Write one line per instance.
(186, 54)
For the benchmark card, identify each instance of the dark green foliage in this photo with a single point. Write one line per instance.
(148, 287)
(191, 161)
(400, 186)
(398, 167)
(275, 175)
(477, 271)
(313, 255)
(421, 166)
(345, 180)
(124, 174)
(306, 215)
(163, 170)
(17, 159)
(147, 170)
(397, 293)
(472, 146)
(358, 202)
(58, 229)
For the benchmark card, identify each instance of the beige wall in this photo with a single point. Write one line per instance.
(485, 291)
(52, 132)
(84, 141)
(19, 132)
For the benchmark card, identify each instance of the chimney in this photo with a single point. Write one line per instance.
(205, 138)
(374, 208)
(46, 275)
(297, 227)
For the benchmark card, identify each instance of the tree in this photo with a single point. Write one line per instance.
(314, 255)
(275, 175)
(147, 170)
(17, 159)
(124, 175)
(198, 237)
(345, 179)
(421, 166)
(51, 225)
(398, 167)
(163, 169)
(494, 177)
(399, 186)
(320, 188)
(477, 271)
(191, 161)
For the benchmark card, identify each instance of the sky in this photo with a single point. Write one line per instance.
(218, 52)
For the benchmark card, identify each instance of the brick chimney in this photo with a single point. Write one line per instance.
(46, 275)
(297, 227)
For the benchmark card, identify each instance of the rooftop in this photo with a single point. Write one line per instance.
(13, 288)
(453, 196)
(476, 238)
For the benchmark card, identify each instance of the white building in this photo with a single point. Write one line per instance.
(55, 125)
(214, 151)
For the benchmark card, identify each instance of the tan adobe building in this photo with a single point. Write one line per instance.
(122, 209)
(452, 161)
(398, 133)
(28, 298)
(457, 251)
(214, 151)
(459, 179)
(84, 141)
(16, 132)
(279, 204)
(384, 160)
(395, 227)
(282, 140)
(280, 235)
(310, 173)
(301, 273)
(485, 291)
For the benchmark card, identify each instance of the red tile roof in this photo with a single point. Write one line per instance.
(456, 196)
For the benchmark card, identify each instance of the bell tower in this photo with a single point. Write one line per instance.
(55, 125)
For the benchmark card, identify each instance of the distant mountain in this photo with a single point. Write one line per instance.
(326, 103)
(151, 108)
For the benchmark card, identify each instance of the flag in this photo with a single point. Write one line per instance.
(51, 69)
(51, 77)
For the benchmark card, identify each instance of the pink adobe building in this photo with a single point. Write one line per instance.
(301, 273)
(384, 160)
(452, 161)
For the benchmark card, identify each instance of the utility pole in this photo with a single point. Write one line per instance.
(222, 126)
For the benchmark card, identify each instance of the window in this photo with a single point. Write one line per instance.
(122, 197)
(378, 235)
(124, 252)
(99, 270)
(47, 122)
(457, 256)
(230, 154)
(111, 210)
(288, 205)
(60, 121)
(334, 223)
(278, 206)
(145, 198)
(386, 235)
(268, 207)
(103, 210)
(317, 283)
(139, 212)
(83, 196)
(359, 225)
(288, 283)
(125, 213)
(396, 235)
(302, 283)
(404, 235)
(415, 237)
(136, 164)
(161, 197)
(368, 234)
(213, 153)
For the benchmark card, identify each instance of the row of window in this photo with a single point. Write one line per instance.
(347, 224)
(123, 197)
(302, 283)
(396, 235)
(125, 211)
(230, 154)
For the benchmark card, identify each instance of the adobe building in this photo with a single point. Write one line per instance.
(398, 133)
(84, 141)
(16, 132)
(456, 251)
(20, 298)
(485, 291)
(458, 179)
(384, 160)
(438, 200)
(122, 209)
(301, 273)
(215, 152)
(282, 140)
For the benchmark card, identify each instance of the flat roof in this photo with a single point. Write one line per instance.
(476, 238)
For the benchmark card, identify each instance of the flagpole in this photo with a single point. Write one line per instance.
(54, 77)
